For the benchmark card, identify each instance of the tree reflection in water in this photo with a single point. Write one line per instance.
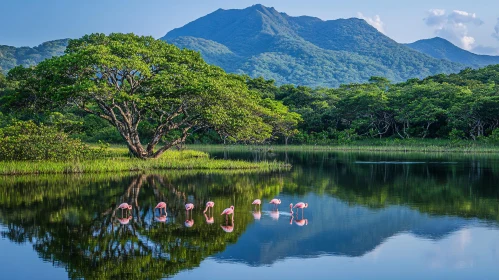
(73, 221)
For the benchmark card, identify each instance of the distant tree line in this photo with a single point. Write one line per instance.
(153, 96)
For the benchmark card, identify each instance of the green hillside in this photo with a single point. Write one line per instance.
(260, 41)
(442, 49)
(11, 57)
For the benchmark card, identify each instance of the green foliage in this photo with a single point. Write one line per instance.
(126, 79)
(28, 141)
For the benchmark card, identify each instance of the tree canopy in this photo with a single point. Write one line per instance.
(127, 79)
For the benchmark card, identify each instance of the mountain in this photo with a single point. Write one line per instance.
(11, 57)
(260, 41)
(443, 49)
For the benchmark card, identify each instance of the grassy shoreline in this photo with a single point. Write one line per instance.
(405, 146)
(172, 160)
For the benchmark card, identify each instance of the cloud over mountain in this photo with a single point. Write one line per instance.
(453, 26)
(375, 21)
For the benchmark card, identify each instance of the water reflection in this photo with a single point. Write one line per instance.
(76, 222)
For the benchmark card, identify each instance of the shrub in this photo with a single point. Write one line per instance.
(28, 141)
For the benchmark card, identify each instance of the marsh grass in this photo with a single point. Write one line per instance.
(115, 161)
(384, 145)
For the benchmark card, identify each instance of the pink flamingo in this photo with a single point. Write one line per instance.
(291, 209)
(189, 206)
(227, 212)
(161, 218)
(209, 220)
(126, 206)
(276, 202)
(160, 206)
(124, 221)
(257, 202)
(301, 206)
(209, 204)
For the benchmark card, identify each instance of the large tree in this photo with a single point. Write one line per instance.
(128, 79)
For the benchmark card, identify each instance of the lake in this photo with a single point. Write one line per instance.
(370, 216)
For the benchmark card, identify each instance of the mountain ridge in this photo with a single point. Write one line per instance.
(443, 49)
(304, 50)
(11, 57)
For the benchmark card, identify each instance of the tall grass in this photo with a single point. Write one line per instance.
(176, 160)
(383, 145)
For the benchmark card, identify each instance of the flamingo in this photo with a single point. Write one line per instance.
(209, 204)
(126, 206)
(276, 202)
(124, 221)
(161, 218)
(209, 220)
(160, 206)
(291, 209)
(301, 206)
(257, 202)
(228, 211)
(188, 206)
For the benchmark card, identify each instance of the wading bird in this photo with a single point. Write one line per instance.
(227, 212)
(257, 202)
(126, 206)
(276, 202)
(161, 218)
(124, 221)
(301, 206)
(189, 206)
(160, 206)
(209, 204)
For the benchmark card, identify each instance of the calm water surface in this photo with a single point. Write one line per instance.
(376, 216)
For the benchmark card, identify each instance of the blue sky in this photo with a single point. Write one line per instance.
(473, 25)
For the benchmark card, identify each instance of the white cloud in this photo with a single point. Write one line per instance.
(496, 30)
(453, 26)
(375, 21)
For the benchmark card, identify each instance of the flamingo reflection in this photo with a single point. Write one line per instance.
(257, 215)
(189, 223)
(274, 215)
(209, 220)
(124, 221)
(227, 227)
(302, 222)
(161, 218)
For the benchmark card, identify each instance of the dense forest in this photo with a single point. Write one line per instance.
(237, 109)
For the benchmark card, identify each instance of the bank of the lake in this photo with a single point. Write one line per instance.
(115, 160)
(382, 145)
